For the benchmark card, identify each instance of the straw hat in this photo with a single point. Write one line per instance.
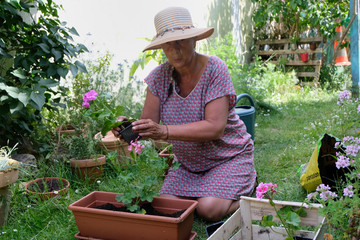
(174, 23)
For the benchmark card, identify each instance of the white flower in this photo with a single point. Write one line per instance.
(98, 181)
(56, 192)
(77, 191)
(15, 230)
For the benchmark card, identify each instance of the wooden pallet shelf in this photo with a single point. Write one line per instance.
(280, 49)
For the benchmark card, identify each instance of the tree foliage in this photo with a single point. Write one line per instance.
(35, 53)
(295, 16)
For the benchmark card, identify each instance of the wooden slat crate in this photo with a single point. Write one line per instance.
(281, 48)
(239, 226)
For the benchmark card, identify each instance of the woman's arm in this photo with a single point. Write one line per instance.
(211, 128)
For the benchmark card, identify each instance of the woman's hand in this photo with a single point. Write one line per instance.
(116, 130)
(147, 128)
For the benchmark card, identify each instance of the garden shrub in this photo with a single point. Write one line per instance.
(37, 53)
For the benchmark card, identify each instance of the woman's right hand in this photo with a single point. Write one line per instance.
(116, 130)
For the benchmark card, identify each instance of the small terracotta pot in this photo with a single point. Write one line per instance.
(110, 143)
(91, 168)
(62, 188)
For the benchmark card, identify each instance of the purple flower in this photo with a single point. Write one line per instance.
(352, 150)
(348, 191)
(342, 161)
(344, 95)
(358, 109)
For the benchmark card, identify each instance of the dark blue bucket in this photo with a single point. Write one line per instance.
(247, 114)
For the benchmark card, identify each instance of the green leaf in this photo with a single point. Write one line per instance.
(62, 72)
(301, 212)
(16, 107)
(38, 98)
(293, 219)
(5, 54)
(44, 47)
(73, 31)
(19, 73)
(47, 83)
(17, 93)
(74, 70)
(81, 66)
(267, 221)
(57, 54)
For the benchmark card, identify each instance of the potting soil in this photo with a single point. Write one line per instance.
(146, 206)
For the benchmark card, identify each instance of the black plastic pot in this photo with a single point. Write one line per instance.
(128, 135)
(210, 229)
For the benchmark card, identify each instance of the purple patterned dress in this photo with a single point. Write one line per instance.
(222, 168)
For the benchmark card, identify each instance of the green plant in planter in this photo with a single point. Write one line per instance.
(82, 147)
(289, 217)
(137, 189)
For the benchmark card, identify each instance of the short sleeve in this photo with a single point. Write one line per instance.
(158, 81)
(220, 83)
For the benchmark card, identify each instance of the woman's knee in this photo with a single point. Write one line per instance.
(214, 209)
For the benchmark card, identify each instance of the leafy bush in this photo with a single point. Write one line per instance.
(335, 77)
(296, 16)
(37, 53)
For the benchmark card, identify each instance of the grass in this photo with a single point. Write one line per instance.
(284, 139)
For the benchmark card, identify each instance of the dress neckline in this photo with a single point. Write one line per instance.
(197, 84)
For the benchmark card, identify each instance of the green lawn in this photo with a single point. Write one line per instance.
(284, 140)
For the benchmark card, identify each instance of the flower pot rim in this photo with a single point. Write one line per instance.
(109, 139)
(97, 160)
(61, 191)
(76, 206)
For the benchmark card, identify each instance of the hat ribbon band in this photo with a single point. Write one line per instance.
(173, 29)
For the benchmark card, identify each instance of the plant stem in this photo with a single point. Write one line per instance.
(281, 219)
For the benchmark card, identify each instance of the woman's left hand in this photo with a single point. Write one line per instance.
(147, 128)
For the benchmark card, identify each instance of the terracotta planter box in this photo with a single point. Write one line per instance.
(107, 224)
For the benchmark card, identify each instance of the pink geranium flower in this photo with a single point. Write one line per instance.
(89, 96)
(263, 188)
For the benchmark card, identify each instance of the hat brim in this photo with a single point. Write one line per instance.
(198, 33)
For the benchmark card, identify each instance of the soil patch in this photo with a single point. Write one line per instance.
(146, 206)
(48, 185)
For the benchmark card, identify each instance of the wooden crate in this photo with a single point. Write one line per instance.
(281, 49)
(239, 226)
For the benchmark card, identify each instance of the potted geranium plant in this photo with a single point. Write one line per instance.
(107, 215)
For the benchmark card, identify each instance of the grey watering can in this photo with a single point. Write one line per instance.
(247, 114)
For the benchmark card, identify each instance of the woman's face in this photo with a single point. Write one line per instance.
(179, 53)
